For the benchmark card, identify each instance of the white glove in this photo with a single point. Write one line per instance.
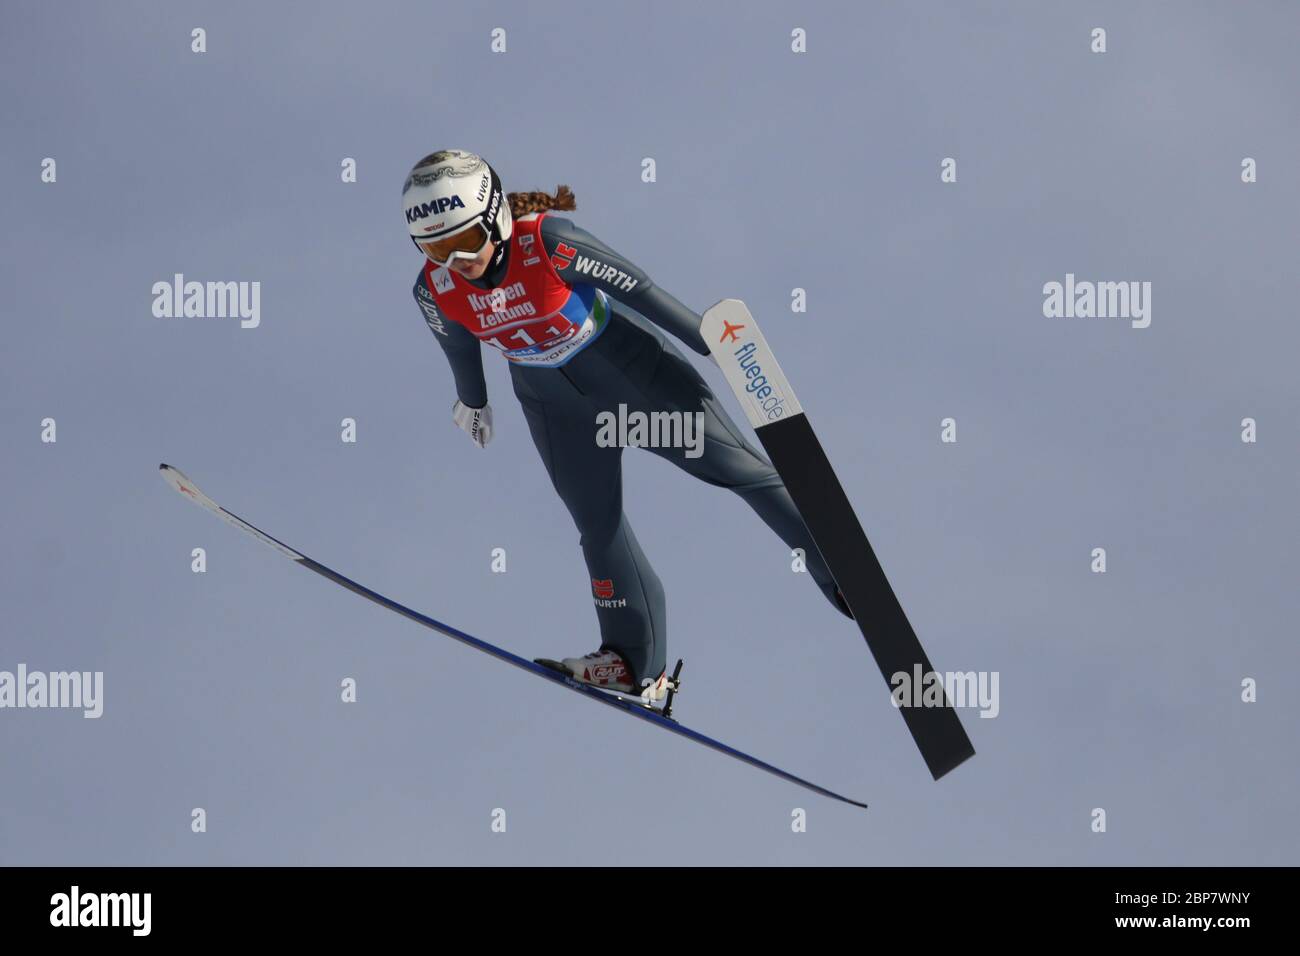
(474, 422)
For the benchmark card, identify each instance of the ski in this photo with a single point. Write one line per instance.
(779, 421)
(627, 704)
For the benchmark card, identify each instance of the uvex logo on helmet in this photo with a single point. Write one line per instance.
(426, 209)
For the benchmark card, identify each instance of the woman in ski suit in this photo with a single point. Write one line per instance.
(501, 271)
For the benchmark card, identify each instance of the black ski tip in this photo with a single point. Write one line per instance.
(843, 605)
(941, 767)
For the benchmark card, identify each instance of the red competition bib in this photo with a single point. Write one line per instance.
(533, 317)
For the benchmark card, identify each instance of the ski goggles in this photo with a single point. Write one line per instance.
(466, 243)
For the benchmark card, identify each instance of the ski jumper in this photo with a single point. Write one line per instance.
(559, 305)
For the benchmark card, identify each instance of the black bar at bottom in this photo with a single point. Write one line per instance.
(944, 908)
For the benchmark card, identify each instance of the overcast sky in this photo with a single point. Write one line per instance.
(775, 170)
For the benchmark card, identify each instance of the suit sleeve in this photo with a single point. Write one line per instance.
(464, 352)
(581, 258)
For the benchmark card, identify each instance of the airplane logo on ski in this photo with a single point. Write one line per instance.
(729, 329)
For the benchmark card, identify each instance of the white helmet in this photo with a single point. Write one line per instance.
(454, 205)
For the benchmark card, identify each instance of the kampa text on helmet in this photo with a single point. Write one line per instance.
(433, 208)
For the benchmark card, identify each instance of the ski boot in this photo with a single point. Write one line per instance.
(606, 670)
